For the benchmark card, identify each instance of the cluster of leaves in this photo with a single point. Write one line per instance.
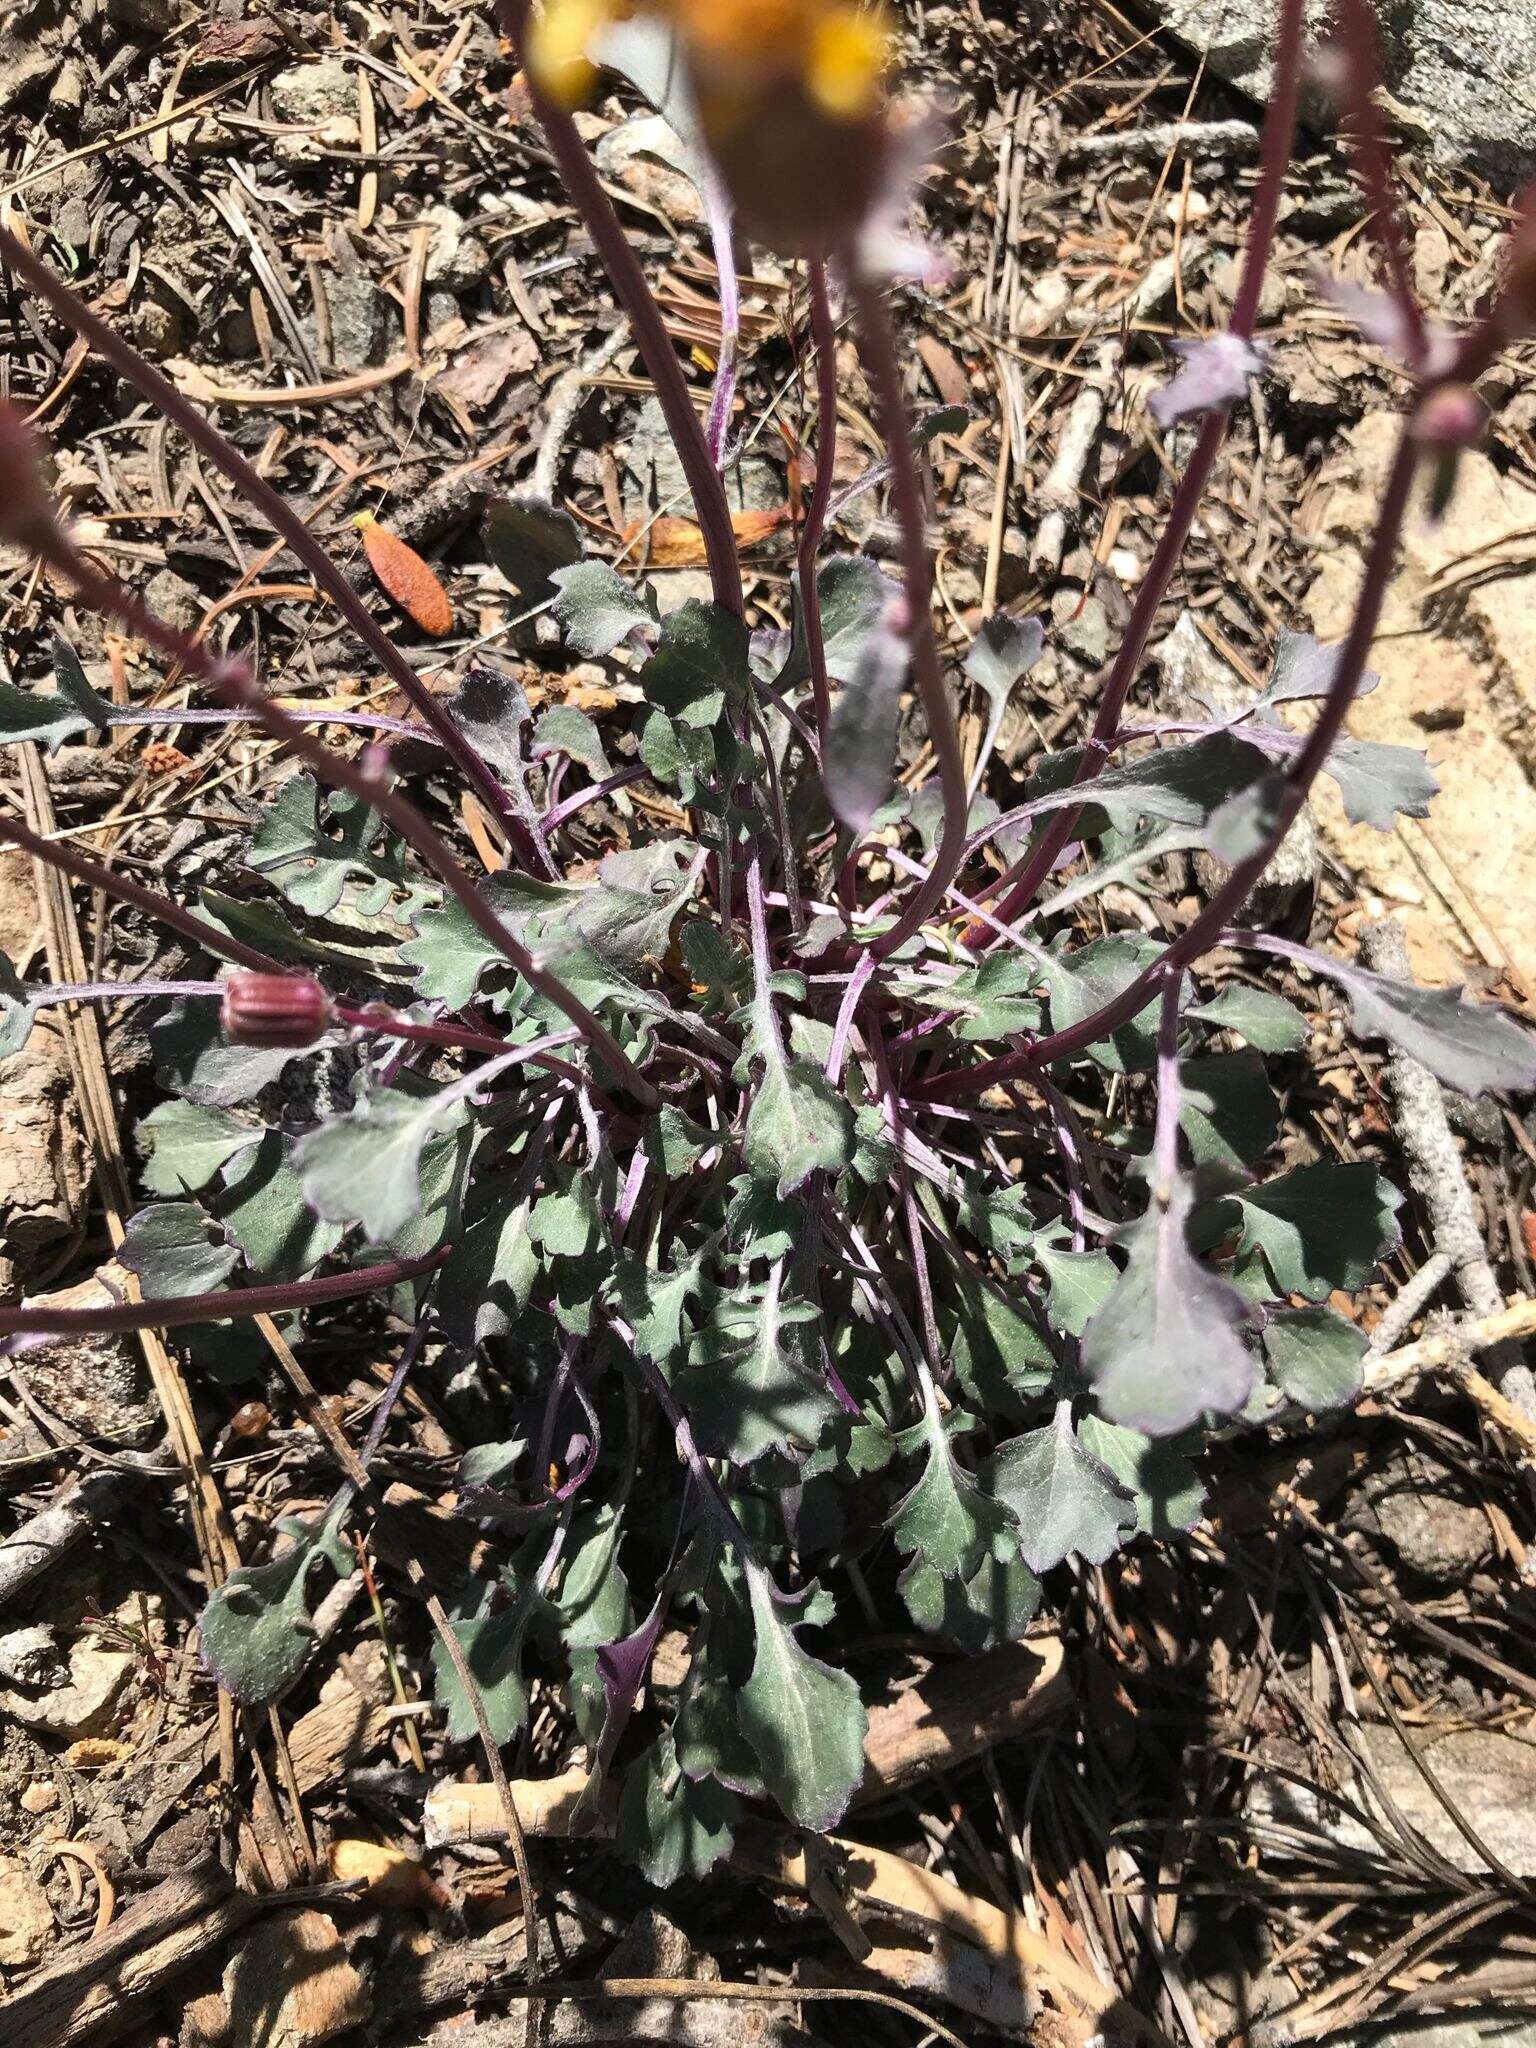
(799, 1204)
(889, 1359)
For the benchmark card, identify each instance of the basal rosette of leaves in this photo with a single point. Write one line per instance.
(801, 1255)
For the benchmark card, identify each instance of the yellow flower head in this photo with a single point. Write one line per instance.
(791, 98)
(558, 39)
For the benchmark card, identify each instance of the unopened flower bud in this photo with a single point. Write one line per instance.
(27, 515)
(275, 1009)
(1451, 418)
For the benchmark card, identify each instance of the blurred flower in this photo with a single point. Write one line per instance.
(27, 515)
(1448, 422)
(792, 99)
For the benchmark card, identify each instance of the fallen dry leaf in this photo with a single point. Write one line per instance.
(479, 369)
(235, 42)
(392, 1878)
(679, 543)
(405, 576)
(949, 378)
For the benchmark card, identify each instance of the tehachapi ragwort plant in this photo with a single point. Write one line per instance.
(769, 1218)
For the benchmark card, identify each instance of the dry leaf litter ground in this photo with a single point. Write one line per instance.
(1272, 1783)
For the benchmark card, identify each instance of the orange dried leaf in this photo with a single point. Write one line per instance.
(679, 543)
(392, 1878)
(405, 576)
(753, 528)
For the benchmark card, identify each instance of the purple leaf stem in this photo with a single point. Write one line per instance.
(841, 1030)
(1208, 926)
(722, 236)
(1356, 30)
(879, 352)
(1165, 1137)
(1018, 888)
(410, 1351)
(216, 1307)
(580, 798)
(41, 995)
(362, 721)
(824, 339)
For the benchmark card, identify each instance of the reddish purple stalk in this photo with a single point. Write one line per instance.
(187, 714)
(579, 799)
(1208, 926)
(824, 339)
(216, 1307)
(639, 302)
(386, 1023)
(879, 352)
(1018, 888)
(1373, 164)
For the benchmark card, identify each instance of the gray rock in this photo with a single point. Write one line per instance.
(159, 322)
(456, 259)
(358, 321)
(307, 94)
(83, 1703)
(1477, 1117)
(1459, 70)
(98, 1385)
(145, 17)
(32, 1656)
(1081, 626)
(174, 599)
(26, 1918)
(1490, 1778)
(677, 587)
(1433, 1532)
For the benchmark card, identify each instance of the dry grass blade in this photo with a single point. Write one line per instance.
(212, 1527)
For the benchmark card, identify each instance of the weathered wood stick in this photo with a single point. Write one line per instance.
(98, 1991)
